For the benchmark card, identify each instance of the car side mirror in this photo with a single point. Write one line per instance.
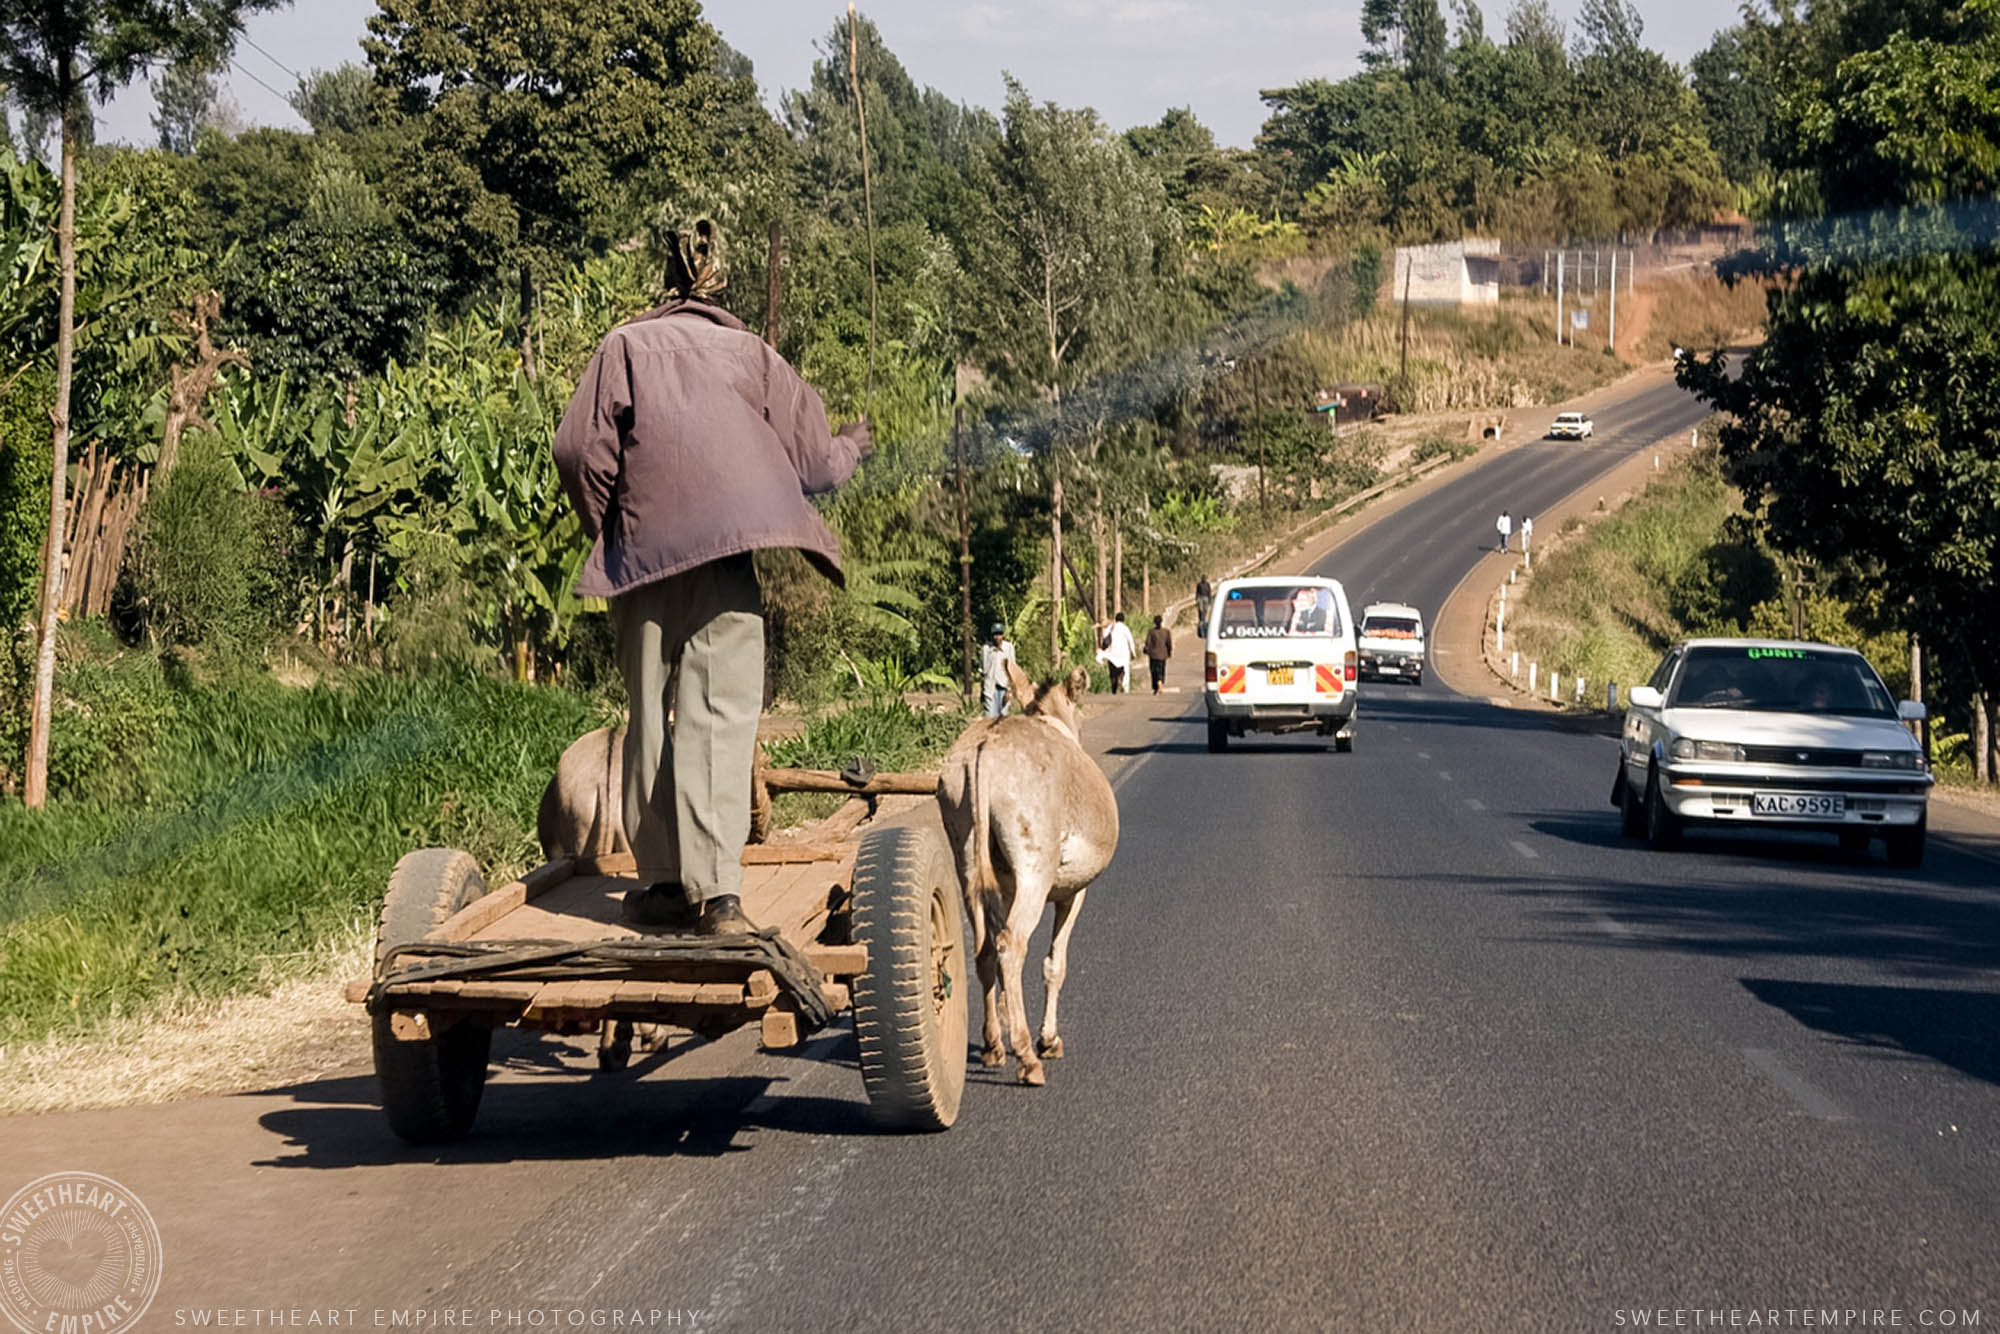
(1644, 697)
(1912, 711)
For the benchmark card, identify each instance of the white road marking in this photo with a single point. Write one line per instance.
(1524, 849)
(1423, 754)
(1815, 1103)
(1445, 775)
(1475, 803)
(1611, 926)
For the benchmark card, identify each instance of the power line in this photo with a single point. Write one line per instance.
(245, 72)
(273, 59)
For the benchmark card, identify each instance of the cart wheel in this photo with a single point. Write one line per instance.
(430, 1086)
(909, 1007)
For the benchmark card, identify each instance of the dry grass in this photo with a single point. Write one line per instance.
(289, 1031)
(1695, 310)
(1466, 360)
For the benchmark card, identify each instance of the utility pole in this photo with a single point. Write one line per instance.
(1403, 372)
(771, 289)
(964, 536)
(1560, 255)
(1614, 302)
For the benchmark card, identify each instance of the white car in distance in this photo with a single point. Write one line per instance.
(1772, 732)
(1571, 426)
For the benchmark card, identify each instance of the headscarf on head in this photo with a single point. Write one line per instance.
(696, 269)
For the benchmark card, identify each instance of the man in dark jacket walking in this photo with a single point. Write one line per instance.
(689, 444)
(1159, 647)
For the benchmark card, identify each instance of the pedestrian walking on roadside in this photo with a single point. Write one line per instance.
(994, 655)
(1505, 527)
(1116, 649)
(688, 444)
(1159, 647)
(1204, 597)
(1527, 531)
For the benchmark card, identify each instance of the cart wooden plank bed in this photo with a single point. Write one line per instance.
(865, 922)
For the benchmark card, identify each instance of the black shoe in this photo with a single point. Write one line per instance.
(723, 916)
(660, 905)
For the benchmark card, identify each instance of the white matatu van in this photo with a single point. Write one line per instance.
(1280, 658)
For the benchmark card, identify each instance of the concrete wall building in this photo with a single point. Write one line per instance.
(1451, 273)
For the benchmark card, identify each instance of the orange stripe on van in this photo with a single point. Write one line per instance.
(1328, 680)
(1232, 682)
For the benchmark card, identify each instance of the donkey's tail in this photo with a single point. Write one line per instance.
(982, 828)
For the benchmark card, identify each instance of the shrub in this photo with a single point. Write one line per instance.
(210, 558)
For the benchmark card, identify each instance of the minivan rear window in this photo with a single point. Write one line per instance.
(1391, 627)
(1278, 611)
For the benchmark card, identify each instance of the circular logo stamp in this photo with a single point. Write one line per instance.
(78, 1255)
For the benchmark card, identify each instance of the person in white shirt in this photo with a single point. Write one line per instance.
(1504, 525)
(994, 655)
(1527, 531)
(1116, 649)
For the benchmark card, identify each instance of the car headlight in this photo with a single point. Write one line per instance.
(1888, 759)
(1689, 749)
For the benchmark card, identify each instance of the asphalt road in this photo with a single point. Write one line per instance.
(1402, 1039)
(1405, 1039)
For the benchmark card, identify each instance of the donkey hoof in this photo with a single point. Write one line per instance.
(1052, 1048)
(992, 1056)
(1033, 1074)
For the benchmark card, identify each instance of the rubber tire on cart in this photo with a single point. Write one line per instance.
(431, 1086)
(909, 1007)
(1343, 743)
(1631, 811)
(1218, 736)
(1663, 827)
(1905, 843)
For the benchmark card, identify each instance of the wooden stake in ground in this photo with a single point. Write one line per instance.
(867, 191)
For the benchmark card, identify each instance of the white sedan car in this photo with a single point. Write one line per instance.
(1571, 426)
(1767, 732)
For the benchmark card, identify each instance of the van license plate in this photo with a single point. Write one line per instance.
(1813, 805)
(1390, 668)
(1277, 676)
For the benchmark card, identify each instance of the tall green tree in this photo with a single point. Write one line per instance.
(55, 55)
(1078, 233)
(340, 100)
(538, 132)
(182, 97)
(1865, 431)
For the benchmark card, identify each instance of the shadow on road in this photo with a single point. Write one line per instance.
(1960, 1029)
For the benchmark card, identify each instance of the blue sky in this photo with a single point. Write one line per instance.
(1130, 59)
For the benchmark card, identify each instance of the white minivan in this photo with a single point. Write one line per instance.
(1280, 658)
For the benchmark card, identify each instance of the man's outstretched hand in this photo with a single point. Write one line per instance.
(858, 431)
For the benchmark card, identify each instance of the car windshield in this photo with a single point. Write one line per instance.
(1391, 627)
(1570, 417)
(1278, 611)
(1781, 680)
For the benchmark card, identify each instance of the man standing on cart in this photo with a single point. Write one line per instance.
(689, 444)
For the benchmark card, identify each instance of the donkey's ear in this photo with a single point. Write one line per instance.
(1019, 688)
(1077, 683)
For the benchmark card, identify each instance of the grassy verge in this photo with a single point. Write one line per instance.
(1602, 601)
(262, 825)
(1679, 559)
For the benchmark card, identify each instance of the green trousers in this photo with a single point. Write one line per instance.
(692, 644)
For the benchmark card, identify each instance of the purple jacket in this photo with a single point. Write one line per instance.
(689, 440)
